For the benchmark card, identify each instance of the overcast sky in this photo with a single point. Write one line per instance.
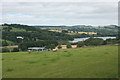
(60, 13)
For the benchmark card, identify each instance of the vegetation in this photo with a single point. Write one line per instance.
(89, 62)
(37, 37)
(94, 41)
(43, 43)
(111, 41)
(29, 33)
(69, 45)
(101, 31)
(15, 50)
(51, 46)
(59, 46)
(5, 50)
(80, 44)
(7, 43)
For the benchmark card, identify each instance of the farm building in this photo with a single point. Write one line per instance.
(37, 49)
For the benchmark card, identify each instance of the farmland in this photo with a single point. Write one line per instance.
(89, 62)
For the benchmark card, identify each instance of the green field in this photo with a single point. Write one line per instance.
(89, 62)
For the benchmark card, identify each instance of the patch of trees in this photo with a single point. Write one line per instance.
(10, 26)
(83, 35)
(111, 41)
(100, 31)
(43, 43)
(5, 50)
(96, 42)
(10, 50)
(93, 41)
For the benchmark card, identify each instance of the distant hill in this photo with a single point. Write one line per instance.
(64, 26)
(48, 26)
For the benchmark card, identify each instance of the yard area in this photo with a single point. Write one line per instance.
(89, 62)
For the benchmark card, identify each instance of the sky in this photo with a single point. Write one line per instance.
(60, 12)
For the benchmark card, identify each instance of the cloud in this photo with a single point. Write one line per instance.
(56, 13)
(60, 0)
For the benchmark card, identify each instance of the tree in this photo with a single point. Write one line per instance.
(15, 50)
(23, 46)
(59, 46)
(64, 31)
(51, 46)
(80, 44)
(4, 43)
(94, 41)
(5, 50)
(69, 46)
(111, 41)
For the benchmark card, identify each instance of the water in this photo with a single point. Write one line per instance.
(83, 39)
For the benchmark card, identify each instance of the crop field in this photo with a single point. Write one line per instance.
(89, 62)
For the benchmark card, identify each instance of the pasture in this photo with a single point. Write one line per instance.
(89, 62)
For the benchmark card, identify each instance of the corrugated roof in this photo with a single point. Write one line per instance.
(36, 48)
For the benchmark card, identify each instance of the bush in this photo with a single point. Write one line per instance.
(94, 41)
(5, 50)
(4, 43)
(111, 41)
(15, 50)
(69, 46)
(80, 44)
(51, 46)
(59, 46)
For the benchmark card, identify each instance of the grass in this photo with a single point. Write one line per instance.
(89, 62)
(18, 30)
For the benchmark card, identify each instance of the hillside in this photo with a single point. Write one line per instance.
(29, 33)
(35, 33)
(89, 62)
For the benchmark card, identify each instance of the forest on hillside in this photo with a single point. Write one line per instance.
(35, 36)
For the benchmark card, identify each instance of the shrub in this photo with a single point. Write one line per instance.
(111, 41)
(51, 46)
(5, 50)
(69, 46)
(80, 44)
(15, 50)
(4, 43)
(94, 41)
(59, 46)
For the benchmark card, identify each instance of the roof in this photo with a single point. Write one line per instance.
(19, 37)
(36, 48)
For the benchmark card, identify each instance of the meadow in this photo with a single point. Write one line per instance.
(89, 62)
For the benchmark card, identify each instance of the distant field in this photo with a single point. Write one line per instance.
(89, 62)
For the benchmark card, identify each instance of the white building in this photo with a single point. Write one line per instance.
(37, 49)
(20, 37)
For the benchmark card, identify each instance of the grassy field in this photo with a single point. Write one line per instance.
(89, 62)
